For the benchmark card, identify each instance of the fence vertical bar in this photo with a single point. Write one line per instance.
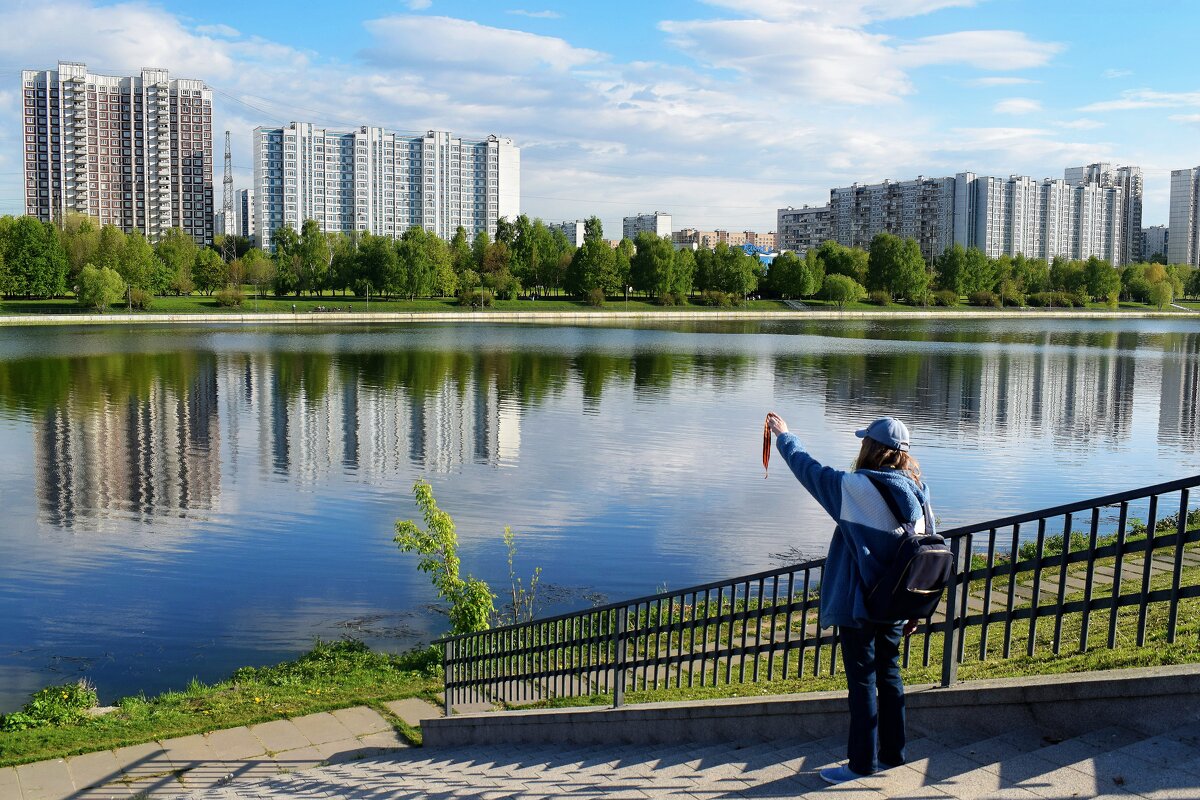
(1012, 589)
(1039, 548)
(732, 627)
(774, 624)
(745, 630)
(692, 642)
(1089, 580)
(964, 607)
(949, 643)
(1177, 572)
(817, 635)
(448, 671)
(619, 660)
(1118, 575)
(989, 576)
(1147, 564)
(787, 625)
(1062, 583)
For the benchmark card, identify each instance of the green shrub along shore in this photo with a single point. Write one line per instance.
(56, 723)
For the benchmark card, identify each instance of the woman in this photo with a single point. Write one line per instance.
(867, 537)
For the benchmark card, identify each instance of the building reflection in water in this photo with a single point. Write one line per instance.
(146, 439)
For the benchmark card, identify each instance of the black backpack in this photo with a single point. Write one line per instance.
(912, 583)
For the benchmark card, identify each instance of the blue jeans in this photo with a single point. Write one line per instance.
(871, 656)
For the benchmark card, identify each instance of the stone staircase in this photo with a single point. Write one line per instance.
(1120, 734)
(1112, 762)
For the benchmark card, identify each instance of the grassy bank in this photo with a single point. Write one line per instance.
(199, 304)
(330, 676)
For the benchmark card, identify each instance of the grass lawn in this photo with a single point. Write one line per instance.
(331, 676)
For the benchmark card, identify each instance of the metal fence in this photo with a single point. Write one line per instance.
(1023, 584)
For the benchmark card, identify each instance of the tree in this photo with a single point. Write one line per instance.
(460, 251)
(176, 252)
(1065, 275)
(594, 266)
(34, 260)
(839, 260)
(81, 240)
(209, 271)
(951, 269)
(842, 289)
(137, 265)
(416, 265)
(99, 287)
(287, 258)
(683, 271)
(1030, 274)
(979, 273)
(791, 276)
(1100, 279)
(343, 268)
(1193, 284)
(624, 255)
(315, 256)
(259, 269)
(379, 267)
(652, 265)
(733, 271)
(895, 266)
(479, 249)
(1161, 294)
(110, 247)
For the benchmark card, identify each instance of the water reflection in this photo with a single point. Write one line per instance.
(142, 434)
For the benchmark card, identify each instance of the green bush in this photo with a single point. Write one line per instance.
(100, 288)
(841, 289)
(946, 297)
(230, 298)
(595, 298)
(986, 299)
(880, 298)
(716, 299)
(54, 705)
(475, 297)
(140, 299)
(1052, 300)
(672, 299)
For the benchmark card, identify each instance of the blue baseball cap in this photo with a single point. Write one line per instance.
(888, 431)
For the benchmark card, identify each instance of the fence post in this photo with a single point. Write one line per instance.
(619, 658)
(952, 631)
(447, 653)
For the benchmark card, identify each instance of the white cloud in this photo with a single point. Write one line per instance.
(842, 12)
(545, 14)
(998, 50)
(446, 42)
(1110, 74)
(419, 5)
(224, 31)
(1081, 124)
(1146, 98)
(1001, 80)
(1190, 119)
(1017, 105)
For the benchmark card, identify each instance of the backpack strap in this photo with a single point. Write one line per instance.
(892, 505)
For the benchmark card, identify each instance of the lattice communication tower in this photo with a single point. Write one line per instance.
(228, 251)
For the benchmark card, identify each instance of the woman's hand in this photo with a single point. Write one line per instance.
(776, 424)
(911, 626)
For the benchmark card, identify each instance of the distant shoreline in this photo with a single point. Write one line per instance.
(560, 317)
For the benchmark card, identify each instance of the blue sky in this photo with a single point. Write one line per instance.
(718, 112)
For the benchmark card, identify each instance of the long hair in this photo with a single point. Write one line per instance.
(874, 455)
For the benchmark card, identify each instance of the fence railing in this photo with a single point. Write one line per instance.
(1022, 584)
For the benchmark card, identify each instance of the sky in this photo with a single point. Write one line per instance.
(718, 112)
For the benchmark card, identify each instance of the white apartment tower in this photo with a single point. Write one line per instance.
(657, 223)
(134, 152)
(574, 231)
(803, 229)
(1183, 247)
(1155, 240)
(371, 180)
(1128, 180)
(921, 209)
(243, 214)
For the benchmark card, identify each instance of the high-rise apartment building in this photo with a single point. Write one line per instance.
(803, 229)
(243, 214)
(1155, 241)
(1129, 181)
(1183, 247)
(574, 231)
(380, 182)
(657, 223)
(134, 152)
(1000, 216)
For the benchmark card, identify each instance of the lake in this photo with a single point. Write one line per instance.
(181, 501)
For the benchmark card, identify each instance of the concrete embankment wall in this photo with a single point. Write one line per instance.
(549, 317)
(1151, 699)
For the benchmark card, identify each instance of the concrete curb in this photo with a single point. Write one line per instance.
(547, 317)
(1149, 699)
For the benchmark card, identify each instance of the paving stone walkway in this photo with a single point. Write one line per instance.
(175, 766)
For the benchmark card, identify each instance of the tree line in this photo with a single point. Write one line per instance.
(102, 265)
